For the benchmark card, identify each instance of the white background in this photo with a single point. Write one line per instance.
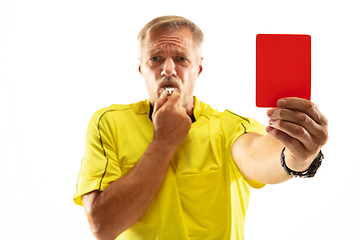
(60, 61)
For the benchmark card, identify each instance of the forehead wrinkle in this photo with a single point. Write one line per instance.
(171, 40)
(175, 44)
(170, 44)
(177, 49)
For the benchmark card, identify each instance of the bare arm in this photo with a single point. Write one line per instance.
(125, 200)
(258, 158)
(296, 124)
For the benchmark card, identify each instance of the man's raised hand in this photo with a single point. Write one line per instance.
(301, 128)
(170, 120)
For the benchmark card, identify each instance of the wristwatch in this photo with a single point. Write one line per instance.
(309, 173)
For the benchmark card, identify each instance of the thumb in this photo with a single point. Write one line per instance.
(175, 98)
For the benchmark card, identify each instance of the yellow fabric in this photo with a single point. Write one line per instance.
(203, 197)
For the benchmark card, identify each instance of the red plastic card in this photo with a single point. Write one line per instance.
(283, 68)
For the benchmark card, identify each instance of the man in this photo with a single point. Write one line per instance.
(171, 167)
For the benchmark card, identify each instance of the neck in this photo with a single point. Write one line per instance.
(190, 107)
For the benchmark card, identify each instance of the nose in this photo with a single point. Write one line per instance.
(168, 68)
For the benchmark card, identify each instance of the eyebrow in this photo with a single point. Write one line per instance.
(156, 52)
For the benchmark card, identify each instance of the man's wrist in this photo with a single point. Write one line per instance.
(162, 148)
(297, 166)
(309, 172)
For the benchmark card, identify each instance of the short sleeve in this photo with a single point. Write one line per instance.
(99, 166)
(235, 126)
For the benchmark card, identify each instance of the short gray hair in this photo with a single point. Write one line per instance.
(171, 23)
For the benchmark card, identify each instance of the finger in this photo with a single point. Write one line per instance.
(160, 102)
(305, 106)
(296, 117)
(175, 98)
(294, 145)
(296, 132)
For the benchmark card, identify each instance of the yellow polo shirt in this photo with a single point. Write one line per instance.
(203, 197)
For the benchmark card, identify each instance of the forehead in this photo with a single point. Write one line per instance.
(179, 39)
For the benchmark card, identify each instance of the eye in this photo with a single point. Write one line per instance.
(155, 59)
(182, 59)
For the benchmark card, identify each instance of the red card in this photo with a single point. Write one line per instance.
(283, 67)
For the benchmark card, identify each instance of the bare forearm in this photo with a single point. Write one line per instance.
(125, 200)
(261, 161)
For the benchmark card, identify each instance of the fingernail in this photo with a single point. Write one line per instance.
(270, 112)
(269, 129)
(281, 102)
(271, 122)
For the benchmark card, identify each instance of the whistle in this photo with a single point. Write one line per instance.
(169, 90)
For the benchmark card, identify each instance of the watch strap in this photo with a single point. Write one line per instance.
(309, 173)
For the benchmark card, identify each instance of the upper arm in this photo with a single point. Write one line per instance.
(241, 151)
(100, 164)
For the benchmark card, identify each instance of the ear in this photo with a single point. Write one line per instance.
(200, 67)
(140, 67)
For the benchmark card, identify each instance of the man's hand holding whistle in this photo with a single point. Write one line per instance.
(171, 123)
